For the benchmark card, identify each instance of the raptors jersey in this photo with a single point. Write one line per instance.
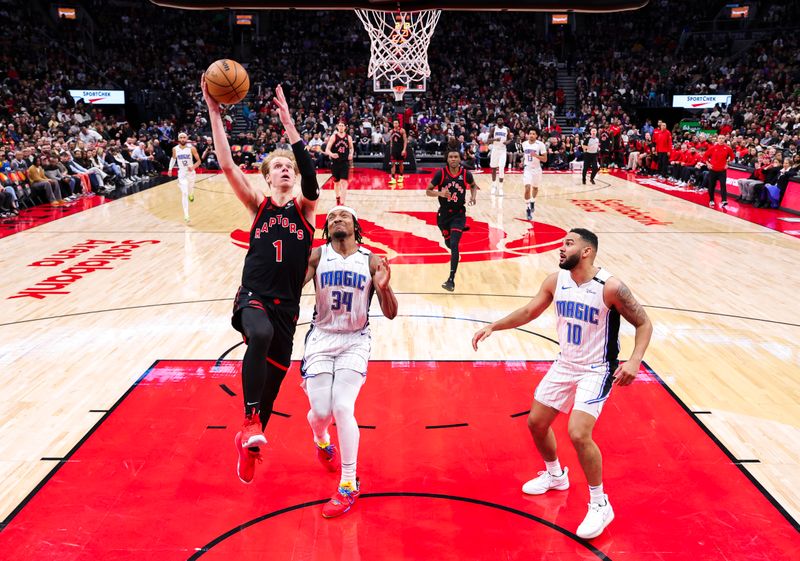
(457, 184)
(531, 150)
(341, 146)
(500, 137)
(588, 330)
(183, 157)
(280, 245)
(344, 291)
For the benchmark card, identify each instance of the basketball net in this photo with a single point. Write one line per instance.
(399, 49)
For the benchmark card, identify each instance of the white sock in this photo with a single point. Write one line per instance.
(596, 495)
(527, 203)
(554, 468)
(346, 385)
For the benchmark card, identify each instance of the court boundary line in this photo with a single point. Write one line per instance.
(449, 295)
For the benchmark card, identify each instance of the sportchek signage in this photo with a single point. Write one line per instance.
(99, 97)
(700, 101)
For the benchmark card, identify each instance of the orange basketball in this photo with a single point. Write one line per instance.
(227, 81)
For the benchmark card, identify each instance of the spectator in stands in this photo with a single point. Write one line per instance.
(145, 160)
(44, 188)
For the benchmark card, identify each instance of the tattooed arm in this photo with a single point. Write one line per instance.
(619, 297)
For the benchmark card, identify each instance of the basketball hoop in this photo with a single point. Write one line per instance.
(399, 49)
(399, 92)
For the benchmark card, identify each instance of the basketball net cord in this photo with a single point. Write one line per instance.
(399, 47)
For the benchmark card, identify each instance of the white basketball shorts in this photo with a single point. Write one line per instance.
(567, 385)
(186, 181)
(328, 351)
(532, 177)
(498, 158)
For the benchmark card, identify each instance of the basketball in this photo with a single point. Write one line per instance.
(227, 81)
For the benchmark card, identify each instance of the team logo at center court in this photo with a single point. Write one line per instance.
(423, 243)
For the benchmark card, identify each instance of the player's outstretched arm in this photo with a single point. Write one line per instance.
(523, 315)
(381, 275)
(249, 195)
(309, 186)
(619, 297)
(313, 263)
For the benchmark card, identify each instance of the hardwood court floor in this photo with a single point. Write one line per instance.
(720, 292)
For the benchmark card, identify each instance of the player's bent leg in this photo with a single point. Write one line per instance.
(319, 389)
(580, 427)
(599, 514)
(553, 477)
(346, 387)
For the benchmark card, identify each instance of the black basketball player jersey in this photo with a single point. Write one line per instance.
(341, 146)
(396, 138)
(280, 245)
(457, 185)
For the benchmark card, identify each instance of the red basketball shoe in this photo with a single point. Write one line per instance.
(246, 463)
(342, 501)
(329, 457)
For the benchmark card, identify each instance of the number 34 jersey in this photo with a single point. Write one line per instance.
(588, 330)
(344, 291)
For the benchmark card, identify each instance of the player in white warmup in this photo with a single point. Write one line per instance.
(534, 154)
(589, 302)
(187, 159)
(497, 159)
(338, 343)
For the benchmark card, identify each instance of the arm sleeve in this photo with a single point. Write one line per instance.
(437, 178)
(308, 176)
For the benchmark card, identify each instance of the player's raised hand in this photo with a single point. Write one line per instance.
(283, 106)
(383, 274)
(481, 335)
(213, 105)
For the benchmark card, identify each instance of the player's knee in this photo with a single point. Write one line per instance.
(260, 334)
(537, 425)
(580, 435)
(343, 410)
(318, 412)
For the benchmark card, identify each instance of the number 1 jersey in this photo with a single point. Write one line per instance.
(344, 291)
(280, 245)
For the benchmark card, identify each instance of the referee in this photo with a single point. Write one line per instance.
(590, 148)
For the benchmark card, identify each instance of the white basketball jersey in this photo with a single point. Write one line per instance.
(588, 331)
(183, 157)
(499, 137)
(531, 150)
(344, 291)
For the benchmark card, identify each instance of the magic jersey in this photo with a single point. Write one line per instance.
(499, 139)
(531, 150)
(588, 331)
(183, 157)
(344, 291)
